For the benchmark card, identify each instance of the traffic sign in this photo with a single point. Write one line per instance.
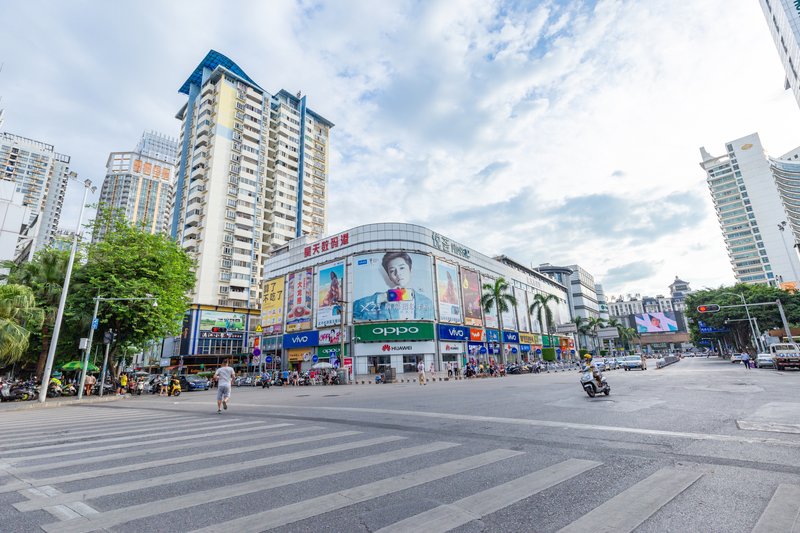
(708, 308)
(259, 329)
(256, 351)
(95, 323)
(538, 351)
(268, 359)
(315, 359)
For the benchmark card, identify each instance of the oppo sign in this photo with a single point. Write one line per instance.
(394, 331)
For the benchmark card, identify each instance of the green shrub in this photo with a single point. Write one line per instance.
(549, 354)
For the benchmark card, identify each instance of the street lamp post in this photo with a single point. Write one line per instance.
(51, 352)
(97, 300)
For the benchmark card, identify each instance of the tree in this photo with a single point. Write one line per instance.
(594, 323)
(614, 323)
(496, 295)
(131, 263)
(541, 309)
(18, 317)
(627, 335)
(581, 323)
(45, 276)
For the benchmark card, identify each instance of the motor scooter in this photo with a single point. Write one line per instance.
(592, 387)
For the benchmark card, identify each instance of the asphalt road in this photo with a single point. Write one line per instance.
(703, 445)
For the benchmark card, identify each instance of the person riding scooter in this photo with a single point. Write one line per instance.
(589, 365)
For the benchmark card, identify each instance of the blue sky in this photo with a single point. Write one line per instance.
(555, 131)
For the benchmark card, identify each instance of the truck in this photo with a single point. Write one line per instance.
(785, 354)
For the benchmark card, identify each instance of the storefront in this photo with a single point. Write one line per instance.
(399, 345)
(452, 344)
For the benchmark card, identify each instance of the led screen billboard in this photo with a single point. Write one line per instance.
(656, 322)
(392, 286)
(449, 297)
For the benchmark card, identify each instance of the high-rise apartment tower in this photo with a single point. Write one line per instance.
(139, 183)
(783, 19)
(40, 174)
(751, 213)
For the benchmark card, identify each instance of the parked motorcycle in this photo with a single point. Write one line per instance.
(592, 387)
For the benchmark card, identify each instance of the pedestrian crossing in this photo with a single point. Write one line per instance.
(134, 471)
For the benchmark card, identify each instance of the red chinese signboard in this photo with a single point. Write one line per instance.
(327, 245)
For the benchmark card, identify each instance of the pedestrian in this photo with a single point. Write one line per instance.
(89, 384)
(123, 383)
(746, 360)
(224, 375)
(164, 385)
(450, 369)
(421, 372)
(433, 372)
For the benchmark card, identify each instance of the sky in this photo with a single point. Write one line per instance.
(552, 131)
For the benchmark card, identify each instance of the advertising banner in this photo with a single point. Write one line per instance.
(297, 340)
(297, 355)
(395, 348)
(186, 333)
(330, 286)
(522, 310)
(511, 336)
(656, 322)
(222, 325)
(451, 347)
(394, 331)
(471, 296)
(298, 300)
(331, 336)
(477, 335)
(492, 335)
(272, 306)
(448, 293)
(453, 333)
(490, 316)
(326, 352)
(392, 286)
(529, 338)
(510, 318)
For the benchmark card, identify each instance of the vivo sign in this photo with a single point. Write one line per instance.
(301, 339)
(510, 336)
(453, 333)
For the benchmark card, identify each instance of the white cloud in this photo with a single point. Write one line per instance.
(484, 120)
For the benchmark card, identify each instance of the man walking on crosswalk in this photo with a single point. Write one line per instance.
(224, 375)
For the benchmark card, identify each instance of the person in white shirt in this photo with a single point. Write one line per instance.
(421, 372)
(224, 375)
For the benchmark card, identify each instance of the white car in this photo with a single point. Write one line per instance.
(737, 358)
(764, 360)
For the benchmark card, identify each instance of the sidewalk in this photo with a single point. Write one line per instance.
(62, 401)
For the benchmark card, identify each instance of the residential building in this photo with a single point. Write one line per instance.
(40, 174)
(750, 211)
(139, 183)
(783, 19)
(583, 300)
(252, 175)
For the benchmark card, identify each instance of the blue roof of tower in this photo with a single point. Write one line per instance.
(212, 60)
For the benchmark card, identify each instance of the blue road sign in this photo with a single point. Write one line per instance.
(315, 359)
(538, 351)
(268, 359)
(95, 323)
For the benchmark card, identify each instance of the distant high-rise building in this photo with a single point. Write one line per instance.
(14, 217)
(751, 211)
(139, 183)
(40, 174)
(581, 289)
(783, 19)
(252, 175)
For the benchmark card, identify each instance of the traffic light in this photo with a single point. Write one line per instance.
(710, 308)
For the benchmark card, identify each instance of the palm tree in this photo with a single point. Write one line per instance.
(614, 323)
(18, 316)
(542, 311)
(626, 335)
(45, 276)
(496, 295)
(583, 329)
(594, 323)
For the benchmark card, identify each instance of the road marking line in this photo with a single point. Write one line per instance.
(782, 514)
(76, 434)
(131, 486)
(475, 507)
(543, 423)
(69, 424)
(62, 512)
(625, 511)
(226, 427)
(295, 512)
(82, 509)
(204, 497)
(135, 453)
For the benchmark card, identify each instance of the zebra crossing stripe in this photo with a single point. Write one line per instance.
(131, 443)
(295, 512)
(625, 511)
(64, 423)
(190, 475)
(143, 451)
(782, 514)
(204, 497)
(475, 507)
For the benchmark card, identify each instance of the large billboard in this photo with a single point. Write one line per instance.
(490, 316)
(222, 325)
(471, 295)
(299, 294)
(448, 293)
(656, 322)
(522, 310)
(392, 286)
(272, 307)
(509, 316)
(330, 285)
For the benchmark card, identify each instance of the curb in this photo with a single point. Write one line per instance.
(60, 403)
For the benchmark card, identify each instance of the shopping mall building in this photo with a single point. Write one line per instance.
(409, 295)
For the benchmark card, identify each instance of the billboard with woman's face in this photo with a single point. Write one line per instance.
(448, 294)
(330, 285)
(522, 310)
(392, 286)
(298, 300)
(490, 315)
(471, 293)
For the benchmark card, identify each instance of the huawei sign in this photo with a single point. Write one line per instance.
(396, 348)
(386, 348)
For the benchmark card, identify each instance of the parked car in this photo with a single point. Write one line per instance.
(737, 358)
(634, 361)
(764, 360)
(192, 382)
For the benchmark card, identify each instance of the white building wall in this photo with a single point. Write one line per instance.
(783, 20)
